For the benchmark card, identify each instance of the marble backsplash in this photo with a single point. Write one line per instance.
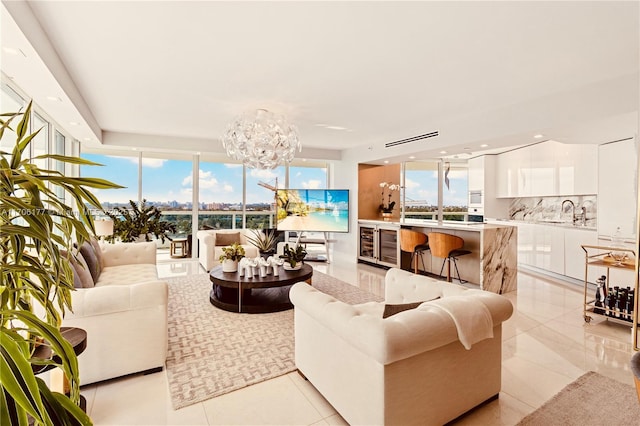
(549, 209)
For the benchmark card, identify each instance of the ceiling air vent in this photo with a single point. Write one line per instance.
(411, 139)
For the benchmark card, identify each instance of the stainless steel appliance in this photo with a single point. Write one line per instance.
(475, 214)
(475, 198)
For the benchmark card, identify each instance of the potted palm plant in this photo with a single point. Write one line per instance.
(264, 240)
(136, 223)
(293, 257)
(230, 257)
(38, 233)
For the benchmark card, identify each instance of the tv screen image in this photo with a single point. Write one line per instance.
(313, 210)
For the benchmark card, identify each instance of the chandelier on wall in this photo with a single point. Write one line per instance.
(261, 140)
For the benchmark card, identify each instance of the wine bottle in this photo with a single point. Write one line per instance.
(599, 295)
(607, 302)
(630, 305)
(621, 304)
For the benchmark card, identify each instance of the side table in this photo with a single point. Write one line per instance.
(178, 247)
(77, 338)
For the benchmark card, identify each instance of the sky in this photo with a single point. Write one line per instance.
(171, 180)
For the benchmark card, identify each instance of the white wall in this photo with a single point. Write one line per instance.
(344, 175)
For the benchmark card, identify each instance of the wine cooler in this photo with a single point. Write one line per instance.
(379, 244)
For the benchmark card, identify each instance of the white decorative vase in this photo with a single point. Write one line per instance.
(229, 265)
(287, 266)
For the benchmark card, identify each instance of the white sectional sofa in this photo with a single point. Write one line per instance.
(124, 312)
(411, 368)
(210, 245)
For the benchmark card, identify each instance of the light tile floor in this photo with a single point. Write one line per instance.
(546, 345)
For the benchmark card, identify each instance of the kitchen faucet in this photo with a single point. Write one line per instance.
(573, 210)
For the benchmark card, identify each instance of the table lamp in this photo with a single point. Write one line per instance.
(104, 228)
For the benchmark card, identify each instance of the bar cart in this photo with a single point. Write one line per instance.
(608, 258)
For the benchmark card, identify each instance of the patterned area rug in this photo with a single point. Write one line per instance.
(593, 399)
(213, 352)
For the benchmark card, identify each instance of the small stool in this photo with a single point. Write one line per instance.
(178, 244)
(415, 243)
(449, 248)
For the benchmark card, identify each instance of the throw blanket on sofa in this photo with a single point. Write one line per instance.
(471, 316)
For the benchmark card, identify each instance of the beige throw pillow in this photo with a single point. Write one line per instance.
(227, 238)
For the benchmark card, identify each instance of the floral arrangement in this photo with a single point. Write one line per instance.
(388, 208)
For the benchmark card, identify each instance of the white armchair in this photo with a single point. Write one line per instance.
(124, 314)
(210, 245)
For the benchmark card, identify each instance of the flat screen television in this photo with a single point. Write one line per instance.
(312, 210)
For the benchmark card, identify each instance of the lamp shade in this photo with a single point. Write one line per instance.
(104, 227)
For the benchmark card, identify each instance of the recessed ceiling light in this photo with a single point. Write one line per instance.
(484, 145)
(335, 127)
(87, 139)
(413, 157)
(538, 136)
(134, 149)
(54, 99)
(386, 161)
(74, 123)
(304, 159)
(443, 152)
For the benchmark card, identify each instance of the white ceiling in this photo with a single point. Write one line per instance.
(478, 72)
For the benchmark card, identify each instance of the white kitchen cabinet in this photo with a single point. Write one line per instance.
(548, 169)
(525, 243)
(574, 256)
(576, 169)
(617, 188)
(556, 249)
(544, 179)
(510, 176)
(549, 248)
(476, 173)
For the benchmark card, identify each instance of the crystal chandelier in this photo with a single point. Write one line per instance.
(261, 140)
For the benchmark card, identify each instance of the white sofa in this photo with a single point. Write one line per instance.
(124, 314)
(410, 368)
(209, 252)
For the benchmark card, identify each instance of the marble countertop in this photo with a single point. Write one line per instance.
(562, 224)
(462, 226)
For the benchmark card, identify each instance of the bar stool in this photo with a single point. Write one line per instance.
(415, 243)
(449, 248)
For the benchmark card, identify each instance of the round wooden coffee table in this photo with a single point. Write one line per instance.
(255, 295)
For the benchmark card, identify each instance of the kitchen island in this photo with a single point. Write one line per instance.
(492, 263)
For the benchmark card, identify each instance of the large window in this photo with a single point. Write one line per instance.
(308, 175)
(261, 196)
(228, 194)
(220, 195)
(168, 185)
(455, 187)
(122, 170)
(421, 190)
(11, 102)
(40, 143)
(421, 185)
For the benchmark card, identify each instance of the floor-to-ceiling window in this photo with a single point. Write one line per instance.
(455, 190)
(423, 180)
(167, 184)
(308, 175)
(11, 102)
(260, 192)
(121, 169)
(220, 194)
(421, 190)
